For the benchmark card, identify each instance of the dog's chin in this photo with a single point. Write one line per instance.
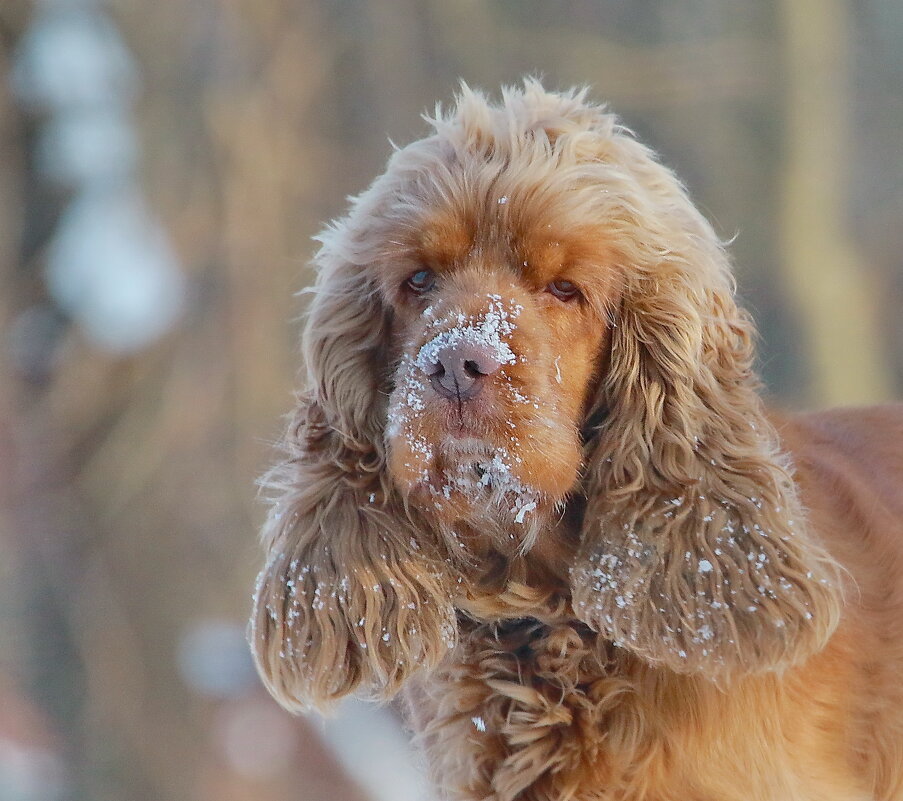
(483, 463)
(473, 481)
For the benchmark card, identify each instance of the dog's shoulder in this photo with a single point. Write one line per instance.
(868, 436)
(849, 465)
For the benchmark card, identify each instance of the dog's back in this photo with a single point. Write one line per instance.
(850, 469)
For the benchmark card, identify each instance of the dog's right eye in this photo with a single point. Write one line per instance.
(421, 281)
(563, 290)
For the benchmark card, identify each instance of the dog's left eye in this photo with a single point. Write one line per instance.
(421, 281)
(563, 290)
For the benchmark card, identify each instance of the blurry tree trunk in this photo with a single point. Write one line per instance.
(10, 225)
(824, 271)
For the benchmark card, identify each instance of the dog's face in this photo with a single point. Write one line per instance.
(500, 317)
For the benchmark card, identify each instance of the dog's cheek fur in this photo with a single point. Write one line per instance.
(348, 600)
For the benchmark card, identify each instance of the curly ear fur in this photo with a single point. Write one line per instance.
(694, 552)
(351, 597)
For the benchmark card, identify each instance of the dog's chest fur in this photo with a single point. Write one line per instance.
(529, 711)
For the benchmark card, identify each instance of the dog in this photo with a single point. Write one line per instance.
(531, 481)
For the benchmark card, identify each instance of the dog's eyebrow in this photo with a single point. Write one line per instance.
(444, 239)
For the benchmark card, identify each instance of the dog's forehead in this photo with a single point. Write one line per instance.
(503, 230)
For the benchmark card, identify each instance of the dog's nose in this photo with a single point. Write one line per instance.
(457, 370)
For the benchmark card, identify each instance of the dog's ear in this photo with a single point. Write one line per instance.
(351, 597)
(695, 552)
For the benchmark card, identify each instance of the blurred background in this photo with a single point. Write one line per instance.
(163, 166)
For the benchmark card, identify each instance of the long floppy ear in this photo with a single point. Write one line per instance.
(351, 597)
(695, 552)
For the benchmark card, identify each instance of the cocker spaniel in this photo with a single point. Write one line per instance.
(531, 479)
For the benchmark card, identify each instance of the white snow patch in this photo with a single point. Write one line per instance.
(488, 330)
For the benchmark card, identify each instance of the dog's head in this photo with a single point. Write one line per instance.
(523, 308)
(502, 288)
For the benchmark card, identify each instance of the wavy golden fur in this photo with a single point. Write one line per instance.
(609, 573)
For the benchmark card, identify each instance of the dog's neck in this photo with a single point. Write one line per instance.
(508, 583)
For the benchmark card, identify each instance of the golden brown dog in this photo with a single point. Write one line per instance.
(531, 478)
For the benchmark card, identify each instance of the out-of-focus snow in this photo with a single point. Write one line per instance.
(72, 56)
(109, 263)
(30, 773)
(110, 266)
(214, 659)
(371, 747)
(79, 148)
